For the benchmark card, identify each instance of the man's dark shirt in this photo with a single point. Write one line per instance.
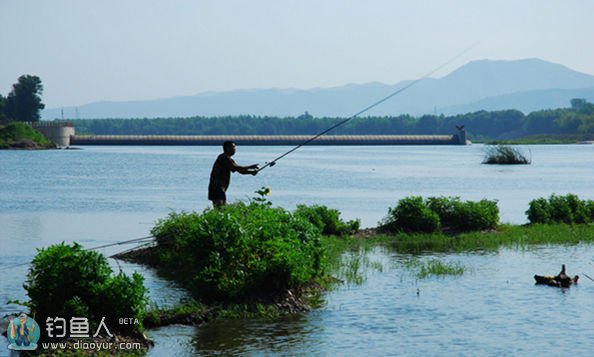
(220, 176)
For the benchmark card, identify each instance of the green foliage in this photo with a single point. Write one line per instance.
(561, 209)
(475, 216)
(15, 132)
(262, 193)
(240, 251)
(414, 214)
(66, 281)
(23, 103)
(327, 220)
(504, 155)
(516, 237)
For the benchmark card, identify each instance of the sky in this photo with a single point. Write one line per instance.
(120, 50)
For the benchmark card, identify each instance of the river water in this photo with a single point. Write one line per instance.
(101, 195)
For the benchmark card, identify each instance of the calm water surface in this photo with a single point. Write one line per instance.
(101, 195)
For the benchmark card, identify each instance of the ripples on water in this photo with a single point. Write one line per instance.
(102, 195)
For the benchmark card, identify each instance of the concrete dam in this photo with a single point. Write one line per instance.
(63, 134)
(209, 140)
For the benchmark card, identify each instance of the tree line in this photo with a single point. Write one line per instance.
(502, 124)
(23, 103)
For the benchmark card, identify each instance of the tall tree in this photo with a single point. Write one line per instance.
(24, 101)
(2, 108)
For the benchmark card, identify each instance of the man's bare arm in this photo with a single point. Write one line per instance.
(245, 170)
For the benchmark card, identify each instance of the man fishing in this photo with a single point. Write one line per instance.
(220, 176)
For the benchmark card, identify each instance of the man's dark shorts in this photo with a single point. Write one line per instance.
(216, 194)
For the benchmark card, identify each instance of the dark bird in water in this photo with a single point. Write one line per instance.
(460, 127)
(561, 280)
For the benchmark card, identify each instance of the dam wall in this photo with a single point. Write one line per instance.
(216, 140)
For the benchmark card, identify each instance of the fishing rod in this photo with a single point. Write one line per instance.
(393, 94)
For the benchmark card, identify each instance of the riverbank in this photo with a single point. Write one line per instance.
(20, 136)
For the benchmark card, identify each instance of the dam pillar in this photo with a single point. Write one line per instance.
(461, 135)
(57, 132)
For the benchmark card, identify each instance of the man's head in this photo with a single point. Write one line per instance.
(229, 148)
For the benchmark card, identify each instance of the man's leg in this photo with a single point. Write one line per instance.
(218, 203)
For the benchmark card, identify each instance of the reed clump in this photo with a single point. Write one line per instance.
(434, 267)
(505, 155)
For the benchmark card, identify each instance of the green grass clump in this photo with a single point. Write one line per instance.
(517, 237)
(16, 132)
(67, 281)
(239, 251)
(415, 214)
(504, 155)
(434, 267)
(561, 209)
(327, 220)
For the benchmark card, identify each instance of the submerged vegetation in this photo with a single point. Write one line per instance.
(505, 155)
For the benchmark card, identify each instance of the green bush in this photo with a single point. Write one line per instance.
(539, 211)
(414, 214)
(445, 207)
(327, 220)
(561, 209)
(17, 131)
(240, 251)
(66, 281)
(475, 216)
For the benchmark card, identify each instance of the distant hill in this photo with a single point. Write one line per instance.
(526, 85)
(526, 102)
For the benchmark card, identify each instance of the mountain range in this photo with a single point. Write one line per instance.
(525, 85)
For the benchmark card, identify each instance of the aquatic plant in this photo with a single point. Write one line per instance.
(239, 251)
(66, 280)
(327, 220)
(517, 237)
(434, 267)
(504, 155)
(561, 209)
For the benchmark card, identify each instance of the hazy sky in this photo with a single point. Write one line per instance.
(86, 51)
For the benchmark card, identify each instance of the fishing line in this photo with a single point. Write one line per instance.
(393, 94)
(147, 239)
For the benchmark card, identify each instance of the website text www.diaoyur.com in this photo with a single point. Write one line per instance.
(91, 346)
